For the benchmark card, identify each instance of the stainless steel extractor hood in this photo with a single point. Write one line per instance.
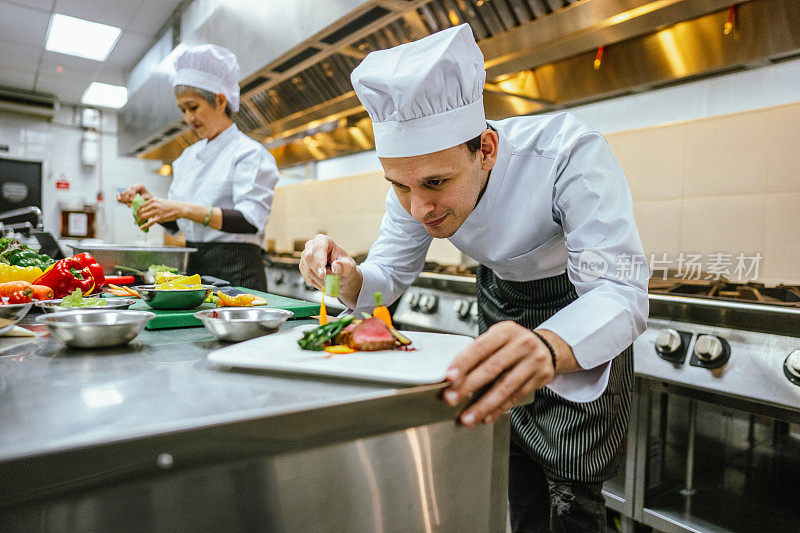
(540, 56)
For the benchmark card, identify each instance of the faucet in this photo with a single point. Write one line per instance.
(23, 211)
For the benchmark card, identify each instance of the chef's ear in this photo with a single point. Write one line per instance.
(488, 151)
(220, 100)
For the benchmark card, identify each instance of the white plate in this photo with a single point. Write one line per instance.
(280, 352)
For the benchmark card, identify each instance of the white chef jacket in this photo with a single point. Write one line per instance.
(555, 191)
(232, 172)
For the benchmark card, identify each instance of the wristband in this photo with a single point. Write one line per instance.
(208, 216)
(549, 347)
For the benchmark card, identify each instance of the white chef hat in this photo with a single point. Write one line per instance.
(209, 67)
(424, 96)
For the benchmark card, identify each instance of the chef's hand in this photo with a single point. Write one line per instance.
(126, 197)
(157, 210)
(509, 362)
(320, 256)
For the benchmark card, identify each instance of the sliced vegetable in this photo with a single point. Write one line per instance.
(332, 284)
(339, 349)
(240, 300)
(136, 204)
(381, 311)
(316, 338)
(173, 282)
(76, 299)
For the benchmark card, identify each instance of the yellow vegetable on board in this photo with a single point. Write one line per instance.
(179, 282)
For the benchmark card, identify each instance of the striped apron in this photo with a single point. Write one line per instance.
(570, 440)
(240, 263)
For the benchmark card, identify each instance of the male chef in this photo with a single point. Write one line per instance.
(542, 205)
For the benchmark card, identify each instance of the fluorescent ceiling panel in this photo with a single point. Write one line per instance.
(105, 95)
(82, 38)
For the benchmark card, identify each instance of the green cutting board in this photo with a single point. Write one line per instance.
(166, 318)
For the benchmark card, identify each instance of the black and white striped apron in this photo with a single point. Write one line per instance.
(240, 263)
(570, 440)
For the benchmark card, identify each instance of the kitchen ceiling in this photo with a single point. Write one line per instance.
(26, 66)
(539, 56)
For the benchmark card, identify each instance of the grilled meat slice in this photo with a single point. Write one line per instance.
(367, 336)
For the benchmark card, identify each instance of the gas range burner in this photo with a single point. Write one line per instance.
(754, 293)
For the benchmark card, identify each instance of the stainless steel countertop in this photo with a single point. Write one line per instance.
(69, 417)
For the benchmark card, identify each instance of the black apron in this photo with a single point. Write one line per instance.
(570, 440)
(240, 263)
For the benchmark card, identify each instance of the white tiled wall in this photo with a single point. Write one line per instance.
(57, 144)
(726, 185)
(729, 184)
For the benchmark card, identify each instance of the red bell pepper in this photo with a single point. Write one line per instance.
(88, 261)
(65, 276)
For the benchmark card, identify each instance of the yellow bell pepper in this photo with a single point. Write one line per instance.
(18, 273)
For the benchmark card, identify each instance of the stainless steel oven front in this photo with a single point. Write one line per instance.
(718, 429)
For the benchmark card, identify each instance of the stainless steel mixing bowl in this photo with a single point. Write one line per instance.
(173, 298)
(95, 328)
(10, 314)
(235, 324)
(54, 305)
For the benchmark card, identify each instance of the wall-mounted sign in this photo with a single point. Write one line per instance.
(62, 184)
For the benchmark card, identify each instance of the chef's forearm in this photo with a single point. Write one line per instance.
(565, 358)
(198, 213)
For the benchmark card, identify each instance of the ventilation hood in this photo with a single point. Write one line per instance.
(540, 55)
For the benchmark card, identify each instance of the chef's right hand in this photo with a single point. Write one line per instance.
(322, 256)
(126, 197)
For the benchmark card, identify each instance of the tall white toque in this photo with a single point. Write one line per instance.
(211, 68)
(424, 96)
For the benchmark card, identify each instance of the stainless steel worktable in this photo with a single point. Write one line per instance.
(83, 428)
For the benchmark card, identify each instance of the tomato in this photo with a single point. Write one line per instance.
(21, 296)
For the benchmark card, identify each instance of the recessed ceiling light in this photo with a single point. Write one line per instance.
(82, 38)
(105, 95)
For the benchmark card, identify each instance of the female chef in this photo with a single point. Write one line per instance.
(223, 185)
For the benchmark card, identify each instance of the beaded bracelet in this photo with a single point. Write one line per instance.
(549, 347)
(208, 216)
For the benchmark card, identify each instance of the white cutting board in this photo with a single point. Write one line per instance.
(280, 352)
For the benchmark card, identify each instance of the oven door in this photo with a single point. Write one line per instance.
(708, 462)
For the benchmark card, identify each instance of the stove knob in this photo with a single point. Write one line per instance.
(708, 348)
(308, 286)
(462, 309)
(429, 304)
(793, 364)
(668, 341)
(278, 278)
(473, 311)
(413, 301)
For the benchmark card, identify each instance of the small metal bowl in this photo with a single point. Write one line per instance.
(173, 298)
(10, 314)
(95, 328)
(234, 324)
(54, 306)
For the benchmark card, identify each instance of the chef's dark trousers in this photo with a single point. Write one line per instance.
(540, 503)
(566, 449)
(240, 263)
